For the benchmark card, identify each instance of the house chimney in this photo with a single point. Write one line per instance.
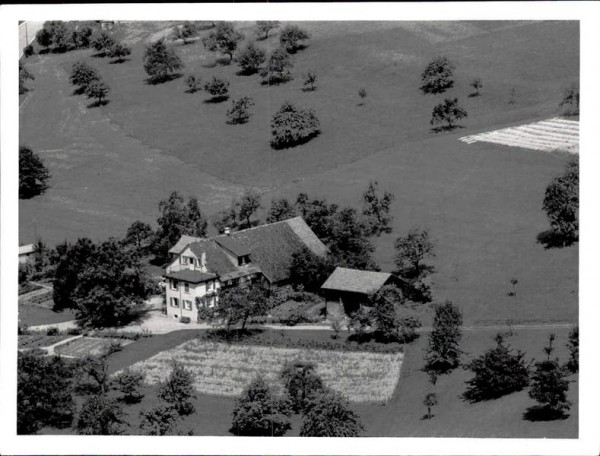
(203, 261)
(227, 230)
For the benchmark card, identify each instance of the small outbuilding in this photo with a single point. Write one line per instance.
(26, 253)
(346, 289)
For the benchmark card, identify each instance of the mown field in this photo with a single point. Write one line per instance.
(482, 202)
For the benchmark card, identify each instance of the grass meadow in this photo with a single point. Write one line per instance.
(481, 202)
(222, 369)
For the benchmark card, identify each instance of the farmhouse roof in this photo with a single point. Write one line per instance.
(188, 275)
(182, 243)
(26, 249)
(270, 247)
(356, 281)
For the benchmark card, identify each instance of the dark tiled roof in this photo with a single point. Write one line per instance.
(182, 243)
(356, 281)
(231, 244)
(217, 260)
(187, 275)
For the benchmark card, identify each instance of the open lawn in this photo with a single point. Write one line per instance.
(481, 202)
(88, 346)
(33, 315)
(225, 369)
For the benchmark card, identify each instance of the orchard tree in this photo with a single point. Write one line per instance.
(236, 305)
(250, 59)
(28, 51)
(97, 89)
(45, 389)
(549, 386)
(573, 346)
(227, 218)
(177, 217)
(319, 215)
(224, 39)
(184, 31)
(561, 204)
(119, 51)
(81, 38)
(100, 415)
(178, 391)
(264, 27)
(310, 81)
(139, 234)
(328, 414)
(60, 36)
(160, 61)
(103, 43)
(70, 260)
(193, 83)
(218, 88)
(292, 37)
(496, 373)
(82, 75)
(377, 207)
(449, 112)
(240, 111)
(430, 401)
(362, 93)
(33, 174)
(411, 250)
(350, 244)
(301, 382)
(281, 209)
(570, 101)
(292, 125)
(249, 204)
(437, 76)
(257, 412)
(443, 348)
(309, 270)
(384, 314)
(477, 85)
(277, 69)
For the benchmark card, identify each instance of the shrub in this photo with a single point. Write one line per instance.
(217, 87)
(113, 347)
(477, 85)
(264, 27)
(83, 74)
(239, 112)
(497, 372)
(437, 76)
(301, 382)
(185, 320)
(292, 126)
(194, 83)
(28, 50)
(100, 415)
(278, 68)
(118, 51)
(310, 81)
(561, 205)
(443, 349)
(250, 59)
(103, 43)
(573, 346)
(128, 383)
(52, 331)
(159, 421)
(74, 331)
(258, 412)
(570, 101)
(328, 414)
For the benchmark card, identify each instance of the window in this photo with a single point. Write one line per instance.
(174, 302)
(183, 259)
(211, 301)
(186, 287)
(174, 284)
(187, 305)
(209, 285)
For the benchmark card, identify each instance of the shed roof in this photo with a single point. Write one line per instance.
(188, 275)
(234, 246)
(356, 281)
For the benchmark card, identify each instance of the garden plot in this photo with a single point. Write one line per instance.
(225, 370)
(40, 340)
(547, 135)
(93, 346)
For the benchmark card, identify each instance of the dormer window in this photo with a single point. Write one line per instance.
(244, 259)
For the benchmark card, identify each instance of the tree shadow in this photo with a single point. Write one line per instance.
(540, 413)
(308, 89)
(97, 104)
(79, 90)
(275, 81)
(299, 142)
(218, 99)
(298, 47)
(162, 79)
(231, 335)
(223, 61)
(44, 51)
(246, 72)
(117, 61)
(445, 128)
(210, 64)
(192, 90)
(427, 417)
(99, 55)
(552, 240)
(474, 94)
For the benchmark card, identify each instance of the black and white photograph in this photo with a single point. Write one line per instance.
(296, 228)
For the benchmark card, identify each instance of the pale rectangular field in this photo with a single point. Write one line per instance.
(225, 370)
(547, 135)
(92, 346)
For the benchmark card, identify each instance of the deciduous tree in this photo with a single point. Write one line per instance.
(160, 420)
(292, 125)
(83, 74)
(411, 250)
(103, 43)
(328, 414)
(240, 111)
(573, 346)
(292, 38)
(100, 415)
(97, 89)
(139, 234)
(249, 204)
(224, 39)
(33, 174)
(278, 68)
(561, 204)
(119, 51)
(350, 244)
(477, 84)
(24, 75)
(449, 111)
(160, 61)
(310, 81)
(437, 76)
(178, 391)
(194, 83)
(129, 382)
(236, 305)
(301, 382)
(430, 401)
(309, 270)
(218, 88)
(44, 38)
(250, 59)
(258, 412)
(570, 101)
(281, 209)
(264, 27)
(377, 208)
(185, 31)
